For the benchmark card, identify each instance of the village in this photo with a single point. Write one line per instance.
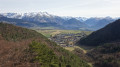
(68, 39)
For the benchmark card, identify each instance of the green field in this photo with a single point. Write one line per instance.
(49, 33)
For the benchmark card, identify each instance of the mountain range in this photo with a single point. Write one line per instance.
(44, 19)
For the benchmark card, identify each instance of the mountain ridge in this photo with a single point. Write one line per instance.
(49, 20)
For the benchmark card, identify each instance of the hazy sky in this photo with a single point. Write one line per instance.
(83, 8)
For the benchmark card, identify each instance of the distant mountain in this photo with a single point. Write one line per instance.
(74, 24)
(41, 17)
(27, 23)
(44, 19)
(21, 15)
(109, 33)
(82, 19)
(18, 22)
(37, 19)
(98, 23)
(12, 15)
(92, 21)
(102, 23)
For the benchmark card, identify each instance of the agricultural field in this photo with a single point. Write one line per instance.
(49, 33)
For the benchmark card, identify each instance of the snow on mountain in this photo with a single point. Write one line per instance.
(31, 14)
(49, 19)
(40, 14)
(82, 19)
(66, 17)
(12, 15)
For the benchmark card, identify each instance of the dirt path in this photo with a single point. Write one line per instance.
(81, 49)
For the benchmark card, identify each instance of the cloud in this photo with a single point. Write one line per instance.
(64, 7)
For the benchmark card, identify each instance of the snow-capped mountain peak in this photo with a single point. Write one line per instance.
(12, 15)
(40, 14)
(31, 14)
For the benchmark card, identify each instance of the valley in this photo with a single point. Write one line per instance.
(59, 33)
(52, 32)
(99, 48)
(45, 40)
(64, 38)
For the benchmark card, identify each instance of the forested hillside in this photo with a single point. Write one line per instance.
(21, 47)
(107, 55)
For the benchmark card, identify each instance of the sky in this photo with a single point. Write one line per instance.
(75, 8)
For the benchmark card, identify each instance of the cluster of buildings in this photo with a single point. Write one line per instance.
(67, 40)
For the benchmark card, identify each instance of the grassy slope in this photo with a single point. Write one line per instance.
(14, 33)
(17, 49)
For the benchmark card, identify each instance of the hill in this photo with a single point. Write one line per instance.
(110, 33)
(107, 55)
(21, 47)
